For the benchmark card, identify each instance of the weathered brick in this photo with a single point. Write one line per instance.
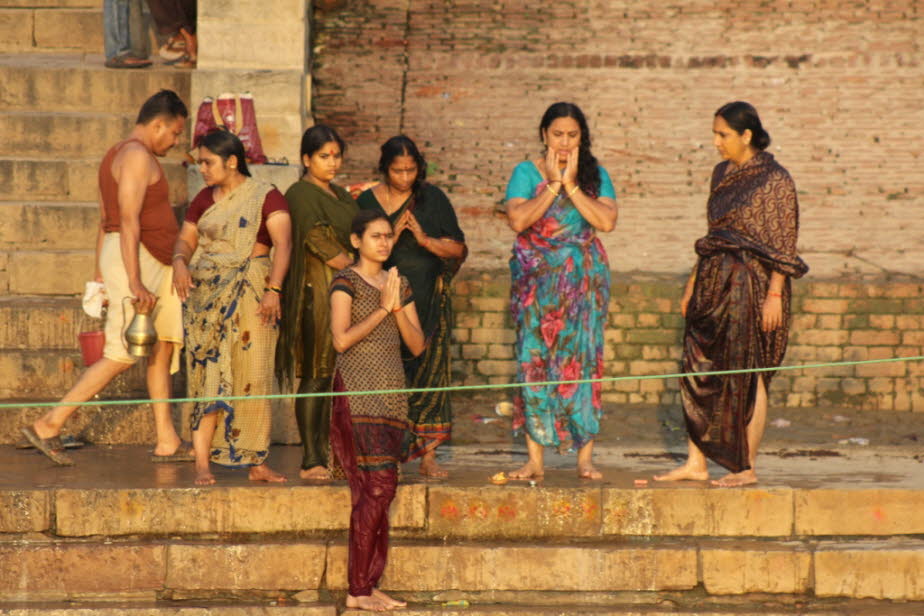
(825, 306)
(872, 337)
(485, 335)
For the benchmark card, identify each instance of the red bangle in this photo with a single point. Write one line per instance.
(775, 294)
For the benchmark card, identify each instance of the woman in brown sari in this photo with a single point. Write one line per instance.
(737, 300)
(321, 216)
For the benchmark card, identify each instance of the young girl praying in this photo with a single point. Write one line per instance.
(372, 311)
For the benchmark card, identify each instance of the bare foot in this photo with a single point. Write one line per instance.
(316, 473)
(265, 473)
(429, 467)
(734, 480)
(684, 473)
(167, 448)
(527, 471)
(204, 476)
(589, 472)
(367, 602)
(389, 601)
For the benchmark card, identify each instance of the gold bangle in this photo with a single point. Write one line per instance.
(273, 289)
(573, 190)
(180, 255)
(549, 188)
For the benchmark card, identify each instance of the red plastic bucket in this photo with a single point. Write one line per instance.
(91, 346)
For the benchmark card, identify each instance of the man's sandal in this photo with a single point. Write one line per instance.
(51, 447)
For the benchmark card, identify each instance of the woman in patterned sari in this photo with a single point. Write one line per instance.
(372, 314)
(321, 216)
(232, 296)
(429, 248)
(737, 300)
(560, 282)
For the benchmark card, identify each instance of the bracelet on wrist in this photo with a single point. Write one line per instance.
(181, 256)
(573, 190)
(771, 294)
(552, 190)
(276, 290)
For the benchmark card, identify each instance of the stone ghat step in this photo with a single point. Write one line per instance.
(887, 569)
(38, 82)
(49, 135)
(54, 226)
(132, 497)
(166, 609)
(48, 374)
(50, 4)
(26, 181)
(98, 425)
(46, 27)
(49, 226)
(43, 322)
(744, 607)
(46, 272)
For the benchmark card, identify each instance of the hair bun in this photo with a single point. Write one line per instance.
(761, 140)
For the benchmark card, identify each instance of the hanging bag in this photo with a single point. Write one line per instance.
(235, 113)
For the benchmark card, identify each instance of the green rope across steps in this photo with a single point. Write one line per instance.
(610, 379)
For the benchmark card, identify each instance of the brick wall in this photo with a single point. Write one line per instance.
(833, 322)
(838, 85)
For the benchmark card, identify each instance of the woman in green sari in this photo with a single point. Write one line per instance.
(321, 216)
(429, 248)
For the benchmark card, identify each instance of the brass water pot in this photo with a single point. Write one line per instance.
(140, 336)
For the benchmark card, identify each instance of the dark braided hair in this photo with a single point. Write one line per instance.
(588, 175)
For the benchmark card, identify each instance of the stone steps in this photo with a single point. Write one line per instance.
(44, 26)
(49, 373)
(54, 225)
(165, 609)
(35, 181)
(54, 135)
(471, 608)
(61, 570)
(115, 527)
(46, 272)
(173, 541)
(68, 83)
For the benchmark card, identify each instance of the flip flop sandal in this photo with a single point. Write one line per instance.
(174, 48)
(127, 61)
(68, 441)
(183, 61)
(183, 453)
(51, 447)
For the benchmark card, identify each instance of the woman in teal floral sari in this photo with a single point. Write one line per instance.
(560, 282)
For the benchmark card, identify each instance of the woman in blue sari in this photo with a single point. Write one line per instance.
(560, 283)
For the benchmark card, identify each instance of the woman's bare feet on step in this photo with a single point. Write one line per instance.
(204, 476)
(391, 602)
(530, 470)
(684, 473)
(734, 480)
(265, 473)
(315, 473)
(589, 471)
(367, 602)
(429, 467)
